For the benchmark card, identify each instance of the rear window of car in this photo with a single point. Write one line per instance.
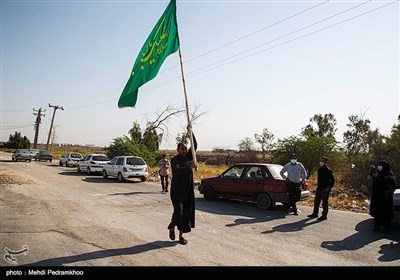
(23, 151)
(275, 170)
(76, 155)
(47, 153)
(135, 161)
(100, 158)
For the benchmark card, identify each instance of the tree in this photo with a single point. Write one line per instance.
(125, 146)
(265, 140)
(285, 147)
(356, 137)
(16, 141)
(151, 139)
(182, 138)
(311, 144)
(325, 125)
(246, 149)
(136, 133)
(393, 148)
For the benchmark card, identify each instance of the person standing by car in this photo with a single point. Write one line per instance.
(182, 191)
(164, 165)
(325, 182)
(383, 186)
(296, 175)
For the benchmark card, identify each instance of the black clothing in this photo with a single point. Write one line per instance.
(182, 191)
(323, 196)
(381, 207)
(325, 180)
(164, 182)
(294, 196)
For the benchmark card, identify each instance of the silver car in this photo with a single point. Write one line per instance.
(92, 163)
(124, 167)
(22, 154)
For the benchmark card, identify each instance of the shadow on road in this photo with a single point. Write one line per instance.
(291, 227)
(71, 173)
(104, 254)
(240, 208)
(98, 179)
(134, 193)
(364, 236)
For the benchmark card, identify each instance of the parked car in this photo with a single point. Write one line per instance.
(70, 159)
(33, 152)
(44, 155)
(92, 163)
(396, 207)
(124, 167)
(21, 154)
(255, 182)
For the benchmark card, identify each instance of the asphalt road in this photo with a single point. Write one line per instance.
(73, 219)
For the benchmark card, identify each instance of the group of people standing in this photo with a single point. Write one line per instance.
(295, 175)
(383, 187)
(182, 189)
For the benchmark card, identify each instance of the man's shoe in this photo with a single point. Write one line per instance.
(322, 218)
(295, 213)
(312, 216)
(172, 233)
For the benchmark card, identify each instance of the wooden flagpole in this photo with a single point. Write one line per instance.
(187, 107)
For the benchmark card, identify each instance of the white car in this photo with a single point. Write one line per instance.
(124, 167)
(92, 163)
(70, 159)
(34, 152)
(396, 207)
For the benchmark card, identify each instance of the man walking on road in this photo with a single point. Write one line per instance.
(163, 164)
(325, 182)
(182, 192)
(296, 174)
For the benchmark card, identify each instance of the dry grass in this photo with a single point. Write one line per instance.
(9, 178)
(341, 198)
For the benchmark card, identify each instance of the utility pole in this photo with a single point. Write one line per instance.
(52, 120)
(37, 123)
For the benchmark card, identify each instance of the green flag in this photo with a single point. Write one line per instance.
(162, 41)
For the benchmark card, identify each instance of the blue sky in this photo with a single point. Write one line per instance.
(78, 54)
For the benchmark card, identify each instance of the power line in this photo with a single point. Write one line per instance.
(221, 62)
(248, 35)
(15, 127)
(206, 53)
(300, 37)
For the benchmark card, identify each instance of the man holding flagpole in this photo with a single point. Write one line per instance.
(163, 41)
(182, 191)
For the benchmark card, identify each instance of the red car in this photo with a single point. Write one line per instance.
(256, 182)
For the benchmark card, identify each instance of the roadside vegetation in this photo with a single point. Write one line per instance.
(350, 159)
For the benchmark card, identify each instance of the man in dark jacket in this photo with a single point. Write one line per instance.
(383, 186)
(182, 192)
(326, 180)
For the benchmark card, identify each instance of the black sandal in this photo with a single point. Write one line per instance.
(172, 233)
(182, 241)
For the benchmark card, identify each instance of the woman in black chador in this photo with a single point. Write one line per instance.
(182, 192)
(383, 186)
